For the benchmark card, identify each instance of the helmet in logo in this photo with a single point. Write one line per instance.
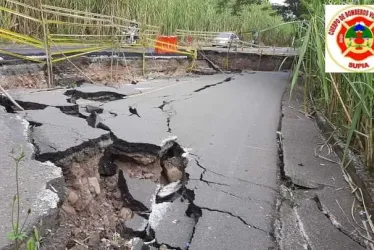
(355, 38)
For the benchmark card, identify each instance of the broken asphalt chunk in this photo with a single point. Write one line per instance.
(31, 100)
(96, 120)
(59, 134)
(171, 224)
(137, 225)
(101, 93)
(139, 160)
(174, 168)
(128, 199)
(91, 108)
(319, 231)
(41, 184)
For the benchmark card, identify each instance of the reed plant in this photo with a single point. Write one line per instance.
(167, 14)
(347, 100)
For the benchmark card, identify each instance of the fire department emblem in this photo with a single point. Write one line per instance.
(349, 39)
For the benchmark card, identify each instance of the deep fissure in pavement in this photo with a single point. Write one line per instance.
(102, 96)
(284, 197)
(212, 85)
(286, 180)
(169, 112)
(293, 192)
(11, 108)
(203, 173)
(336, 224)
(168, 124)
(207, 209)
(163, 104)
(193, 212)
(239, 218)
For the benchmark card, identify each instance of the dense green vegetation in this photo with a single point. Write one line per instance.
(171, 15)
(347, 100)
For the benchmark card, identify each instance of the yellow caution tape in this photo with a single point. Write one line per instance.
(10, 35)
(79, 50)
(20, 56)
(77, 55)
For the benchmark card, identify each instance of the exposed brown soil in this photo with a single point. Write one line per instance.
(99, 71)
(96, 206)
(122, 71)
(246, 61)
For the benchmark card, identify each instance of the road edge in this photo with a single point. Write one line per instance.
(355, 167)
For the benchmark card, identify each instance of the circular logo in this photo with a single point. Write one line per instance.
(349, 38)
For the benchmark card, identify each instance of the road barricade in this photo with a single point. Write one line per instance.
(166, 44)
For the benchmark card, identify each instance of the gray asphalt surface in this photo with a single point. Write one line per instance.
(231, 130)
(227, 123)
(37, 181)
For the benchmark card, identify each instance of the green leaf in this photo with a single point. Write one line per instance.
(36, 234)
(301, 57)
(16, 236)
(11, 236)
(21, 236)
(31, 244)
(352, 128)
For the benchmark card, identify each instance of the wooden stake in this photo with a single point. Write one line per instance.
(47, 47)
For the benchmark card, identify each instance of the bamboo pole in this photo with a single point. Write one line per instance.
(143, 64)
(47, 47)
(10, 98)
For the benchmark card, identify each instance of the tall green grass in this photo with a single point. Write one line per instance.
(169, 15)
(347, 100)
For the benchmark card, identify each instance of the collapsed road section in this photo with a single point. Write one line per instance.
(105, 190)
(126, 185)
(110, 187)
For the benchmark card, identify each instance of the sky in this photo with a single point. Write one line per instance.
(277, 1)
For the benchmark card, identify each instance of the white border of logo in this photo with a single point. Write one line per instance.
(335, 61)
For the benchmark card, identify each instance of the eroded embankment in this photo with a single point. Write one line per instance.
(117, 70)
(99, 70)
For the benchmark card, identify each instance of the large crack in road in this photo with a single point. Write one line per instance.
(310, 214)
(140, 188)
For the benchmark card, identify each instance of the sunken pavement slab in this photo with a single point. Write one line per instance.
(56, 134)
(40, 184)
(40, 99)
(171, 223)
(317, 210)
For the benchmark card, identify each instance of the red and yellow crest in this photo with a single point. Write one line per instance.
(349, 38)
(355, 38)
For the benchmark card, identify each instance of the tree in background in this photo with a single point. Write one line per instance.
(235, 5)
(294, 9)
(291, 10)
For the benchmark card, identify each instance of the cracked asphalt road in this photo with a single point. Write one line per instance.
(230, 129)
(227, 124)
